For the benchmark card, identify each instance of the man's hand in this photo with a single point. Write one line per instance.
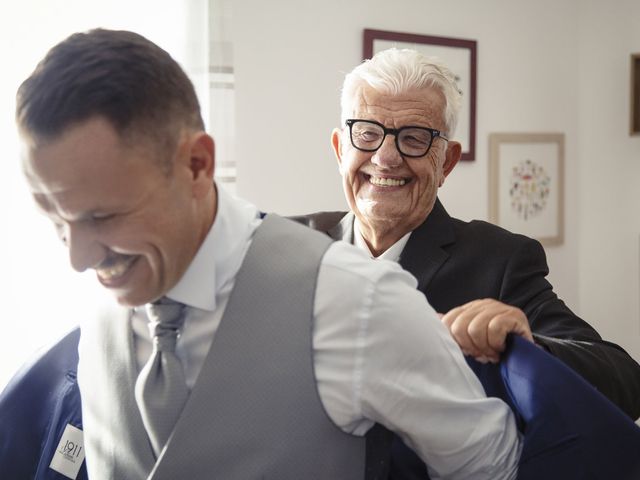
(480, 327)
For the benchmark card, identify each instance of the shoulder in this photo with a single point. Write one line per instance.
(322, 221)
(350, 264)
(490, 237)
(34, 392)
(351, 285)
(487, 230)
(47, 368)
(369, 299)
(36, 405)
(487, 251)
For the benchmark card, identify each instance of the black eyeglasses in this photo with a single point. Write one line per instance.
(369, 135)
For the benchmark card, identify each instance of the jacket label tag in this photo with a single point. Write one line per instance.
(69, 455)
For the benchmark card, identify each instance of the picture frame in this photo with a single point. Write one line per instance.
(634, 104)
(526, 184)
(460, 55)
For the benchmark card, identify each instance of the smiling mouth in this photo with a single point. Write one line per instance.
(386, 181)
(114, 269)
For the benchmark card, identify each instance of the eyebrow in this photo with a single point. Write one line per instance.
(46, 208)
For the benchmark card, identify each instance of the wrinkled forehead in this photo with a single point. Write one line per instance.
(424, 106)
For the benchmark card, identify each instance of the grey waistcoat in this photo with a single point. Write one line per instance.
(254, 412)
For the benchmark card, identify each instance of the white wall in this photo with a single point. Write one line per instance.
(42, 297)
(291, 55)
(542, 66)
(609, 176)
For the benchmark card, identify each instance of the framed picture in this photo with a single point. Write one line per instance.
(634, 125)
(526, 184)
(458, 54)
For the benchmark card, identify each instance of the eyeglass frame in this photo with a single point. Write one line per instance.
(396, 133)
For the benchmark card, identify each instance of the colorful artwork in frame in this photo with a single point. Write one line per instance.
(526, 184)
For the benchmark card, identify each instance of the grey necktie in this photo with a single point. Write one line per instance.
(161, 390)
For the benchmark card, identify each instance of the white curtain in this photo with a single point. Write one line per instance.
(222, 91)
(41, 296)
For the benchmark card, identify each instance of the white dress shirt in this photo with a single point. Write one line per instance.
(392, 253)
(381, 355)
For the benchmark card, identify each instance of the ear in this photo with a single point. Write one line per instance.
(201, 162)
(336, 144)
(452, 157)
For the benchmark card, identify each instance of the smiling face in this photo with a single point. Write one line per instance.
(391, 195)
(118, 211)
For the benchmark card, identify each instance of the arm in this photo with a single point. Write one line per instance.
(605, 365)
(383, 356)
(527, 297)
(426, 394)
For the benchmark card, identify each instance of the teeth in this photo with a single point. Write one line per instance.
(114, 271)
(387, 182)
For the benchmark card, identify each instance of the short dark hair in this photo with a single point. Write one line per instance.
(118, 75)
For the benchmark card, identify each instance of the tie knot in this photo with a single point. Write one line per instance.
(166, 319)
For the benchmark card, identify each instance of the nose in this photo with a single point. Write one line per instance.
(387, 156)
(84, 249)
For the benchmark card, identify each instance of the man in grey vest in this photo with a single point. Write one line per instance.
(241, 347)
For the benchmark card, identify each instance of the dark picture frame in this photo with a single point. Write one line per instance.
(459, 54)
(634, 105)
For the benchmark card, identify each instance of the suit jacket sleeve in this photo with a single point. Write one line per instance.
(603, 364)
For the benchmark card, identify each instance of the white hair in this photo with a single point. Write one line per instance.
(395, 71)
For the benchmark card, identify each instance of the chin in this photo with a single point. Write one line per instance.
(126, 302)
(383, 215)
(134, 299)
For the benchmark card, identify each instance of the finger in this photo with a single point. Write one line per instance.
(485, 312)
(459, 329)
(450, 317)
(468, 326)
(482, 359)
(497, 331)
(525, 331)
(512, 321)
(477, 330)
(459, 333)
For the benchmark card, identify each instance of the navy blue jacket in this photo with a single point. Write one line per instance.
(35, 408)
(570, 430)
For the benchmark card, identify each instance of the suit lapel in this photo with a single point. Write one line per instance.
(423, 254)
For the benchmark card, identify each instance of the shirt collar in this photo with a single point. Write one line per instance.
(220, 255)
(392, 253)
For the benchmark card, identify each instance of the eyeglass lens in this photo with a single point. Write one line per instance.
(411, 141)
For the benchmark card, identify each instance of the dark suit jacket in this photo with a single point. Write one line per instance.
(456, 262)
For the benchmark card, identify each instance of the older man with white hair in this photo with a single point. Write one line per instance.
(395, 149)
